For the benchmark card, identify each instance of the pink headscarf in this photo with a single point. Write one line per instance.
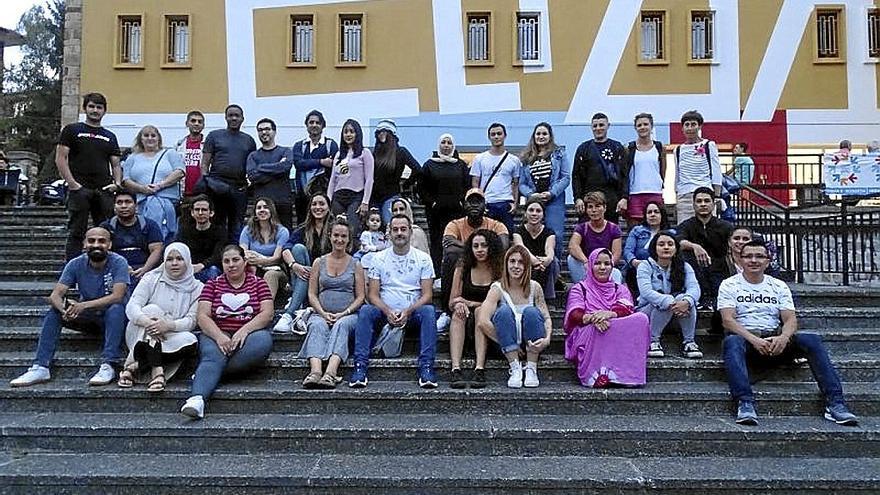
(592, 295)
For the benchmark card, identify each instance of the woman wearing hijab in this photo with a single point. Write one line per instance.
(605, 338)
(402, 206)
(161, 314)
(442, 186)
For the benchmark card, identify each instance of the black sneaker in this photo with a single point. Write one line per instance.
(478, 380)
(456, 379)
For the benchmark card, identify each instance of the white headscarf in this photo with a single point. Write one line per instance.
(186, 283)
(439, 157)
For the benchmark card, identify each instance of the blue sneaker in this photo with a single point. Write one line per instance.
(841, 415)
(427, 377)
(358, 378)
(746, 414)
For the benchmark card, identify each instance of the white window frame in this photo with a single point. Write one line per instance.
(302, 35)
(702, 45)
(128, 50)
(528, 37)
(655, 42)
(351, 39)
(479, 38)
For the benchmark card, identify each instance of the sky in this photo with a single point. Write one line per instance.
(9, 16)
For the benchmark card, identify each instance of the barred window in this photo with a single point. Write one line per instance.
(702, 35)
(302, 39)
(351, 38)
(177, 39)
(130, 41)
(653, 32)
(874, 33)
(528, 36)
(828, 34)
(478, 37)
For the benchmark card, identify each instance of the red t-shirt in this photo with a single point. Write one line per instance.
(192, 159)
(232, 307)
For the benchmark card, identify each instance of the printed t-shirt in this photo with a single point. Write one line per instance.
(90, 152)
(192, 161)
(400, 277)
(231, 307)
(757, 305)
(540, 171)
(91, 283)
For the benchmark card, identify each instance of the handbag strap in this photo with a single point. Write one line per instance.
(156, 166)
(497, 168)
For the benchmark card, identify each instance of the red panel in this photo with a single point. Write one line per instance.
(768, 145)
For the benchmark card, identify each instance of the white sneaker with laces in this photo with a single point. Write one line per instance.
(531, 379)
(299, 321)
(105, 375)
(194, 407)
(656, 350)
(34, 375)
(443, 322)
(516, 375)
(284, 325)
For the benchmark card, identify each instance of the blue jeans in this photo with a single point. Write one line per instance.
(385, 208)
(505, 327)
(370, 317)
(737, 351)
(299, 288)
(111, 320)
(213, 364)
(501, 212)
(208, 273)
(578, 271)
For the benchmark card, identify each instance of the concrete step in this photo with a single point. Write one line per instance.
(414, 434)
(258, 396)
(434, 474)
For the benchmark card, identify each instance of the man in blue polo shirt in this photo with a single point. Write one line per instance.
(102, 280)
(135, 237)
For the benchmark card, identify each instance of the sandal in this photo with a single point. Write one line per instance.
(311, 380)
(126, 378)
(157, 384)
(327, 381)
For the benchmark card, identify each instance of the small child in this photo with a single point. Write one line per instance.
(372, 239)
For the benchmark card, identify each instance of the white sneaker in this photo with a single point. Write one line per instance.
(656, 350)
(531, 379)
(437, 284)
(443, 322)
(299, 321)
(516, 375)
(194, 407)
(284, 325)
(34, 375)
(105, 375)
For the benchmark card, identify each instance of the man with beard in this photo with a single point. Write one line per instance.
(267, 171)
(457, 233)
(703, 241)
(312, 159)
(600, 165)
(399, 295)
(135, 237)
(101, 277)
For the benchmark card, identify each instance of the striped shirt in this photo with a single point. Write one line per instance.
(693, 168)
(232, 307)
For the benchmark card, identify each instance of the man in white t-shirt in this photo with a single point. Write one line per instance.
(496, 172)
(400, 294)
(696, 165)
(759, 316)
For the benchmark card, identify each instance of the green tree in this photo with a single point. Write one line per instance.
(33, 93)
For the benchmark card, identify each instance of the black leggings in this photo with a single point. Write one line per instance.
(147, 356)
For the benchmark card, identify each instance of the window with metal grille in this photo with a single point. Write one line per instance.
(302, 39)
(528, 36)
(874, 33)
(828, 34)
(130, 40)
(653, 27)
(351, 42)
(478, 36)
(177, 39)
(702, 35)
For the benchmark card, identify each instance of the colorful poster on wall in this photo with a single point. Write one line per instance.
(851, 175)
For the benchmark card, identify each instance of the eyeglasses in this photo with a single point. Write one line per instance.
(758, 257)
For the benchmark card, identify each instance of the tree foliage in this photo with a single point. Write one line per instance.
(33, 86)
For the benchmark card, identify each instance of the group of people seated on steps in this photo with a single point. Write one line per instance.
(362, 273)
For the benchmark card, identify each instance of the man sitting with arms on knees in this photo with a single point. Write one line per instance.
(102, 280)
(135, 237)
(399, 294)
(759, 315)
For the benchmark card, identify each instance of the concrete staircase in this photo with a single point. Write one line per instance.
(268, 435)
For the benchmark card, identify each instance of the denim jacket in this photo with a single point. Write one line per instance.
(655, 286)
(636, 245)
(560, 176)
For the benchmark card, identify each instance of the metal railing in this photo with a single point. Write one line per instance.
(702, 35)
(827, 244)
(527, 39)
(478, 39)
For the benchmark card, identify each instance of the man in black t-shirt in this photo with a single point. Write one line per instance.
(85, 156)
(204, 239)
(600, 165)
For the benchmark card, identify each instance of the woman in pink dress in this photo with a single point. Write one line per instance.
(605, 339)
